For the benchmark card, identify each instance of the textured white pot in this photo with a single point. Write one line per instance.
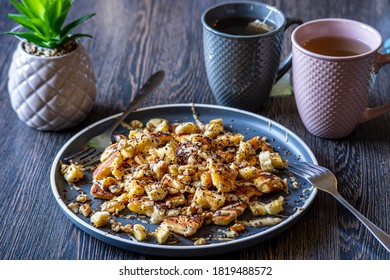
(52, 93)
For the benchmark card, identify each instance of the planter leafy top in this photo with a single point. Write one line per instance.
(44, 20)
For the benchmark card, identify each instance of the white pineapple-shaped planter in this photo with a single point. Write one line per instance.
(52, 93)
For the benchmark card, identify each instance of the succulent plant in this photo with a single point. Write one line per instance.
(45, 20)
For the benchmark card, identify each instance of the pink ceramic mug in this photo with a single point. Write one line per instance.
(331, 87)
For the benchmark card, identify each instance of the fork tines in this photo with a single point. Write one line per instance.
(306, 169)
(85, 157)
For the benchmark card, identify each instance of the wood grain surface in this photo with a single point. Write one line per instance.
(134, 38)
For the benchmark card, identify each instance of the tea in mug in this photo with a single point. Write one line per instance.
(336, 46)
(242, 25)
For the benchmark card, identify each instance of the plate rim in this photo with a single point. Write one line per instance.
(188, 250)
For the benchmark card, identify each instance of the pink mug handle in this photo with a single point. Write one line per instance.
(372, 113)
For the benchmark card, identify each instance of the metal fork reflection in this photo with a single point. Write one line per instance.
(324, 180)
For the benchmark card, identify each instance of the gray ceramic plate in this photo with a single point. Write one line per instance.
(283, 140)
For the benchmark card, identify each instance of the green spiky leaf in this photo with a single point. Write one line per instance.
(31, 37)
(69, 28)
(45, 19)
(21, 8)
(21, 19)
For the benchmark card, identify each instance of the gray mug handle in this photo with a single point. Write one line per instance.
(285, 65)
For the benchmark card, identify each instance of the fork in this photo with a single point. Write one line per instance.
(324, 180)
(96, 145)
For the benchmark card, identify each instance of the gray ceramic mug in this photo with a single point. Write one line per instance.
(241, 69)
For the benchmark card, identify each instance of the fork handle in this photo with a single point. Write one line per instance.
(379, 234)
(140, 95)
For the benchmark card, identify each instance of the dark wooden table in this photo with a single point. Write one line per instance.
(132, 39)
